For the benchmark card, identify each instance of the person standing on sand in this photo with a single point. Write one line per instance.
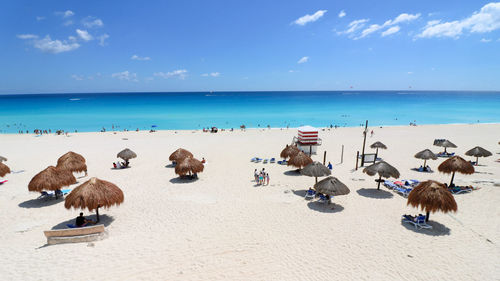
(261, 178)
(371, 134)
(256, 175)
(267, 178)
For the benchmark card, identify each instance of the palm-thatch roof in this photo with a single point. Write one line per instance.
(478, 152)
(179, 154)
(2, 159)
(71, 155)
(432, 196)
(289, 151)
(300, 160)
(72, 165)
(378, 145)
(94, 194)
(189, 165)
(456, 164)
(51, 178)
(331, 186)
(4, 169)
(383, 169)
(316, 169)
(426, 154)
(126, 154)
(445, 143)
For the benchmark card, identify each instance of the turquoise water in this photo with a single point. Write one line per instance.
(92, 112)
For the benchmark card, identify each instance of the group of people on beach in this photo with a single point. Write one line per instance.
(262, 177)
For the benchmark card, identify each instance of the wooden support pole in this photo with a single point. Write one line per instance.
(324, 158)
(342, 155)
(357, 158)
(364, 143)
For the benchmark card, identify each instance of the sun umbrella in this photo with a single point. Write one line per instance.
(180, 154)
(300, 160)
(51, 178)
(71, 155)
(331, 186)
(289, 151)
(426, 155)
(72, 162)
(94, 194)
(456, 164)
(445, 144)
(126, 155)
(378, 145)
(189, 165)
(478, 152)
(432, 196)
(383, 169)
(2, 159)
(4, 169)
(316, 169)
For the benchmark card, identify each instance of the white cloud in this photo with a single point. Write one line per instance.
(342, 14)
(125, 75)
(84, 35)
(54, 46)
(485, 20)
(303, 60)
(102, 39)
(68, 13)
(310, 18)
(484, 40)
(213, 74)
(136, 57)
(402, 18)
(27, 36)
(180, 73)
(77, 77)
(391, 30)
(39, 18)
(90, 22)
(354, 25)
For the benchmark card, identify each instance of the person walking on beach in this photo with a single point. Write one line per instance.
(267, 178)
(256, 175)
(261, 178)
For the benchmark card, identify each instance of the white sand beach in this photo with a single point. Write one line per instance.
(224, 227)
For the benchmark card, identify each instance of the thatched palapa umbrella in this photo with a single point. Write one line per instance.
(179, 154)
(456, 164)
(445, 144)
(478, 152)
(316, 169)
(189, 166)
(4, 169)
(289, 151)
(126, 155)
(331, 186)
(72, 162)
(2, 159)
(51, 178)
(383, 169)
(94, 194)
(432, 196)
(426, 155)
(378, 145)
(300, 160)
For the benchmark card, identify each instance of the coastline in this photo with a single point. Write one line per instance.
(224, 227)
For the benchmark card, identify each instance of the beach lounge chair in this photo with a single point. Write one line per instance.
(265, 161)
(272, 160)
(310, 194)
(4, 181)
(322, 199)
(459, 190)
(390, 184)
(418, 222)
(403, 191)
(282, 162)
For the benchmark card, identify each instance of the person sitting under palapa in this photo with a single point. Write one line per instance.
(81, 221)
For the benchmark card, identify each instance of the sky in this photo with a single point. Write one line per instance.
(168, 46)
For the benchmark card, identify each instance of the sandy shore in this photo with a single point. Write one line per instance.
(223, 227)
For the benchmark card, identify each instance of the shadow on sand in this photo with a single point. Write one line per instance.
(425, 172)
(292, 173)
(40, 203)
(375, 193)
(104, 219)
(123, 168)
(170, 165)
(325, 208)
(438, 229)
(183, 180)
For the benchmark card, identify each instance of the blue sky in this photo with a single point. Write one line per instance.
(110, 46)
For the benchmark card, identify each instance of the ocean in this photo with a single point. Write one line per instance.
(189, 111)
